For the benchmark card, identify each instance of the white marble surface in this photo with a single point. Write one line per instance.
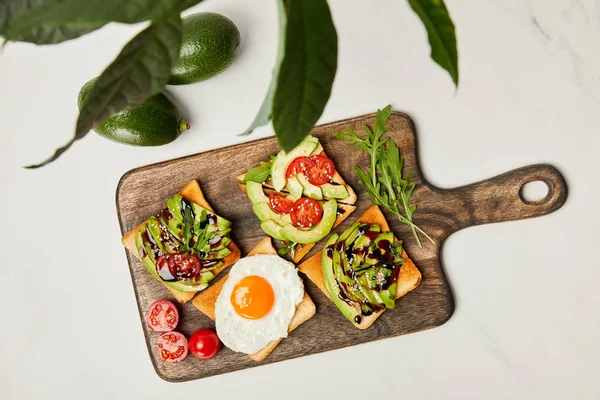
(527, 319)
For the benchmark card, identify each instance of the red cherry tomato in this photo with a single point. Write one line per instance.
(172, 347)
(176, 266)
(162, 316)
(204, 343)
(299, 165)
(306, 212)
(280, 204)
(321, 171)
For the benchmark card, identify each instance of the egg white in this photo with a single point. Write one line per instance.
(249, 336)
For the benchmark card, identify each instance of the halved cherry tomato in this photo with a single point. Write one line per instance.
(299, 165)
(176, 266)
(280, 204)
(306, 212)
(162, 316)
(204, 343)
(172, 347)
(321, 171)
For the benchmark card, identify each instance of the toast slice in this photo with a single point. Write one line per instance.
(191, 192)
(205, 301)
(408, 278)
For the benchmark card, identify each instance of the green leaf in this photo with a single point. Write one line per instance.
(141, 70)
(264, 113)
(307, 71)
(188, 228)
(76, 17)
(259, 174)
(440, 30)
(44, 34)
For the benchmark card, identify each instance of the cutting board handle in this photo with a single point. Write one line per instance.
(501, 198)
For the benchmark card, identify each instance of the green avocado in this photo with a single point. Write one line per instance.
(309, 190)
(350, 311)
(332, 191)
(265, 213)
(209, 45)
(317, 232)
(294, 187)
(272, 229)
(283, 160)
(255, 193)
(154, 123)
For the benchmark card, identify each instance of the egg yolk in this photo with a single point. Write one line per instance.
(252, 297)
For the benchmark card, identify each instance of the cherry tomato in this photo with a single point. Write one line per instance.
(176, 266)
(280, 204)
(204, 343)
(299, 165)
(172, 347)
(306, 212)
(162, 316)
(321, 171)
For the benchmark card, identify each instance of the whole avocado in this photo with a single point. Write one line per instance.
(154, 123)
(209, 45)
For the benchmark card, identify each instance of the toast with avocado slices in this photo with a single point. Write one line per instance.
(298, 197)
(205, 302)
(364, 270)
(185, 245)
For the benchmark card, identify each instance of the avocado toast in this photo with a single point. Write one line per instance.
(363, 306)
(185, 245)
(298, 197)
(205, 301)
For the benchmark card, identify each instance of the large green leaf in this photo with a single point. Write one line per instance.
(79, 16)
(307, 71)
(440, 30)
(10, 9)
(264, 113)
(141, 70)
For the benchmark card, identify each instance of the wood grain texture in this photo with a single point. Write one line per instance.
(143, 191)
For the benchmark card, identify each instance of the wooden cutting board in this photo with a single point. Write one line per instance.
(143, 192)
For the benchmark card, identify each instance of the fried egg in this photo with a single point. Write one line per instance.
(257, 302)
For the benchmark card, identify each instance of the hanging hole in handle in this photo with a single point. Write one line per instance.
(535, 192)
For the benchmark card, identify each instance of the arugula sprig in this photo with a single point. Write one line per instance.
(383, 179)
(259, 174)
(288, 247)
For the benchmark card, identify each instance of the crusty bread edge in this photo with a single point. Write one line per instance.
(192, 192)
(408, 278)
(205, 301)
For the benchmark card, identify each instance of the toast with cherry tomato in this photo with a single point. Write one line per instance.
(185, 245)
(205, 302)
(298, 197)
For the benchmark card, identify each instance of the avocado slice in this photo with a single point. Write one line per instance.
(255, 193)
(351, 230)
(217, 254)
(350, 310)
(265, 213)
(272, 229)
(283, 160)
(154, 228)
(223, 243)
(332, 191)
(317, 232)
(294, 186)
(309, 190)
